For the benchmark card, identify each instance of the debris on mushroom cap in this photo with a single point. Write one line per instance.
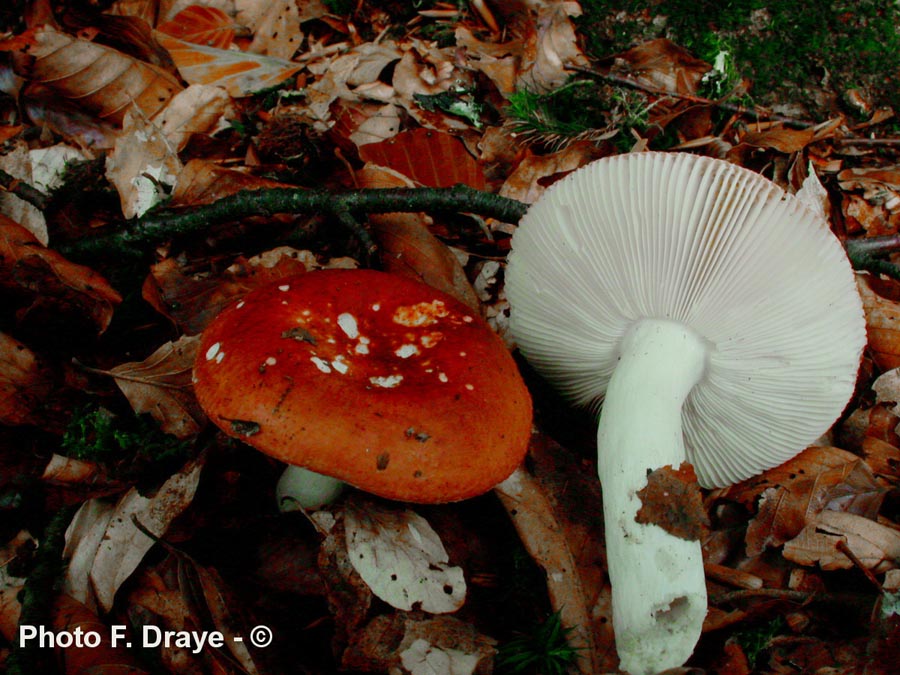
(724, 251)
(377, 380)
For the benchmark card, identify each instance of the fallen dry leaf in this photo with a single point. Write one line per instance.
(44, 283)
(25, 383)
(192, 301)
(401, 558)
(143, 166)
(793, 494)
(552, 512)
(121, 546)
(70, 616)
(876, 546)
(208, 26)
(239, 73)
(160, 385)
(199, 109)
(882, 324)
(405, 644)
(430, 158)
(551, 47)
(409, 248)
(104, 81)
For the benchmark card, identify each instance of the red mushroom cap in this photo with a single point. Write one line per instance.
(375, 379)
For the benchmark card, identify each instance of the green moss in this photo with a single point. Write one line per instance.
(579, 110)
(544, 650)
(98, 435)
(799, 52)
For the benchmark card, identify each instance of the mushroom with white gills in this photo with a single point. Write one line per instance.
(368, 378)
(716, 319)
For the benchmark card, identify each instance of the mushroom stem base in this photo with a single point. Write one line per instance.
(658, 584)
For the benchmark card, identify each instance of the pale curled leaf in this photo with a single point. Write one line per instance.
(142, 166)
(875, 545)
(161, 386)
(103, 80)
(123, 545)
(401, 558)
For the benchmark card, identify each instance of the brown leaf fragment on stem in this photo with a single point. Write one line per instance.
(672, 500)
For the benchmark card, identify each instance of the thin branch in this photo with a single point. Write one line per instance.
(754, 113)
(136, 238)
(24, 191)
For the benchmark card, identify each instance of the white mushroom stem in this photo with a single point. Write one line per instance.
(658, 585)
(300, 488)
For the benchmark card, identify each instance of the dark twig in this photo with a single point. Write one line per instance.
(755, 113)
(159, 226)
(864, 254)
(39, 594)
(24, 191)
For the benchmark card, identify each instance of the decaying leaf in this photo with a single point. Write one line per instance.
(161, 386)
(103, 80)
(25, 383)
(672, 500)
(47, 285)
(111, 546)
(407, 644)
(199, 109)
(876, 546)
(401, 558)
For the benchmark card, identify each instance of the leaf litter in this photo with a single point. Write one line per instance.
(239, 95)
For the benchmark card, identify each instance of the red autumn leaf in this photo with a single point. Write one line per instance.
(431, 158)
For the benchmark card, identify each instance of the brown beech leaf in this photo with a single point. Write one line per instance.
(430, 158)
(664, 65)
(882, 324)
(48, 285)
(25, 383)
(161, 386)
(201, 25)
(875, 545)
(408, 246)
(104, 81)
(672, 500)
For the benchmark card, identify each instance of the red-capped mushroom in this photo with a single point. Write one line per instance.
(374, 379)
